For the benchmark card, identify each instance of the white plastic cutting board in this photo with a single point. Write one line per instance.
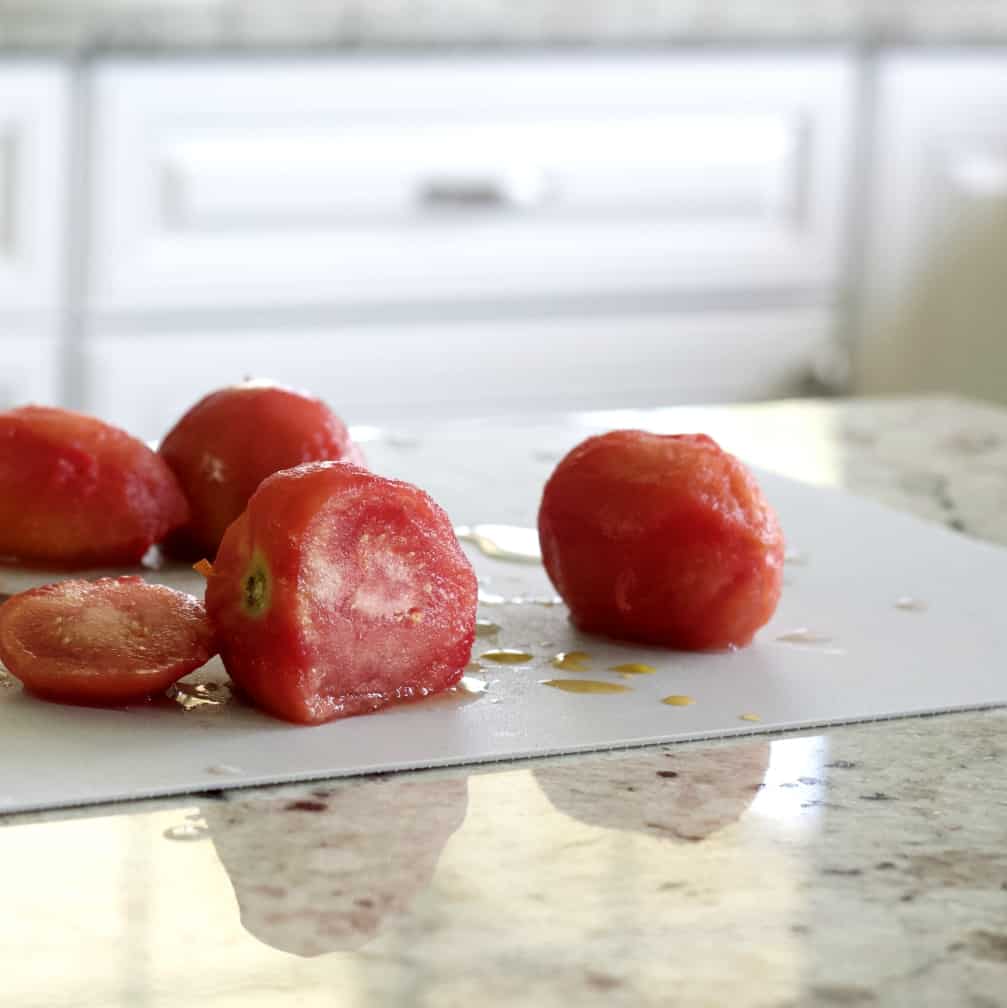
(880, 661)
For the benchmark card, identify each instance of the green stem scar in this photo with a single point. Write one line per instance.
(255, 588)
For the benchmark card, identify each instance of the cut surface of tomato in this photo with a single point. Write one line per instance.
(663, 539)
(109, 641)
(76, 492)
(231, 440)
(339, 591)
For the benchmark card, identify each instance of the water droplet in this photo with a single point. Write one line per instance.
(633, 668)
(548, 601)
(507, 656)
(796, 558)
(572, 661)
(503, 542)
(187, 831)
(486, 628)
(224, 770)
(804, 636)
(585, 686)
(490, 598)
(469, 684)
(909, 604)
(749, 717)
(194, 695)
(678, 700)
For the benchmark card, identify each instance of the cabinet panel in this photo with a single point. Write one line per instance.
(383, 181)
(33, 171)
(403, 374)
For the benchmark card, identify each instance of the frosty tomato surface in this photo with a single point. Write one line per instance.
(662, 539)
(77, 492)
(231, 440)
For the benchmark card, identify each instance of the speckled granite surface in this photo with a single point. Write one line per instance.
(865, 865)
(83, 25)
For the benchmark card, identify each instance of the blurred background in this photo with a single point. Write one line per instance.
(423, 208)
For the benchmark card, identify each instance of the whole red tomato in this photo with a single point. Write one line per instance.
(76, 492)
(230, 441)
(663, 539)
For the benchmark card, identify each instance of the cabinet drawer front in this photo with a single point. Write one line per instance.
(404, 374)
(377, 182)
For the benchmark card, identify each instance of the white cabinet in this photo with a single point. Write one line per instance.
(241, 186)
(933, 281)
(941, 159)
(29, 368)
(404, 374)
(33, 171)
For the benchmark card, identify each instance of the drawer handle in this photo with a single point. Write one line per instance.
(516, 190)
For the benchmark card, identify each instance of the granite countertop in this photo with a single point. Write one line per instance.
(83, 26)
(859, 865)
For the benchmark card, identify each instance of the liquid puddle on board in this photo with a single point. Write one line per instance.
(486, 628)
(192, 696)
(585, 686)
(678, 700)
(503, 542)
(507, 656)
(571, 661)
(633, 668)
(804, 636)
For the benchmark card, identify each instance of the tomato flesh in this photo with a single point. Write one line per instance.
(231, 440)
(78, 492)
(109, 641)
(663, 539)
(339, 591)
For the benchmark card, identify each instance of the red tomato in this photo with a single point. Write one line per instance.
(77, 492)
(661, 539)
(103, 642)
(230, 441)
(338, 591)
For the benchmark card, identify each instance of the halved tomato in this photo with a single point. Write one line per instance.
(103, 642)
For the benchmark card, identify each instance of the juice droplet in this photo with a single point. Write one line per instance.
(486, 628)
(909, 604)
(223, 770)
(503, 542)
(804, 636)
(749, 717)
(195, 695)
(490, 598)
(469, 684)
(507, 656)
(572, 661)
(187, 831)
(585, 686)
(633, 668)
(678, 700)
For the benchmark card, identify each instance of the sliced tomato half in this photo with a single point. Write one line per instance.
(103, 642)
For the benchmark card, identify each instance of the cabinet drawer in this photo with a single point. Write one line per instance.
(405, 374)
(338, 183)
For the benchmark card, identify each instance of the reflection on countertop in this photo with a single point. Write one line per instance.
(859, 864)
